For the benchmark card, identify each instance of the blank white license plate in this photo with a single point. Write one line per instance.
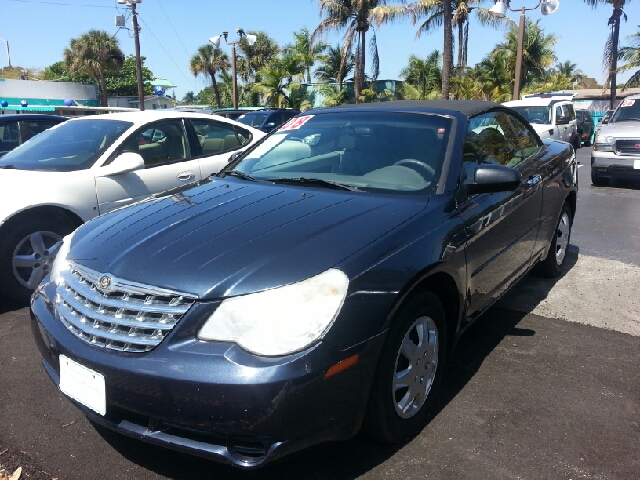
(83, 385)
(636, 164)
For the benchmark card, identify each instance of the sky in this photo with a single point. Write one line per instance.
(38, 31)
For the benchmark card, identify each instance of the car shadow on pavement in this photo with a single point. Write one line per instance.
(353, 458)
(7, 305)
(532, 290)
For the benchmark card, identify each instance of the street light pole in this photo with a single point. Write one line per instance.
(518, 79)
(136, 31)
(8, 56)
(499, 10)
(136, 36)
(251, 39)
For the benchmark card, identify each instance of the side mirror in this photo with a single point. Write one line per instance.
(563, 120)
(493, 178)
(124, 163)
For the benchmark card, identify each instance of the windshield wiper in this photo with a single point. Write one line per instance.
(315, 182)
(235, 173)
(9, 167)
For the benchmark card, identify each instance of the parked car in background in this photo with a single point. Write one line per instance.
(17, 129)
(551, 115)
(585, 126)
(312, 288)
(88, 166)
(233, 113)
(603, 121)
(269, 119)
(616, 152)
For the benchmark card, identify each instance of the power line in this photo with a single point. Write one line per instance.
(61, 3)
(165, 50)
(174, 30)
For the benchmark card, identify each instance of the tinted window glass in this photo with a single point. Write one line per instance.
(74, 145)
(35, 127)
(9, 136)
(498, 138)
(253, 119)
(629, 109)
(372, 151)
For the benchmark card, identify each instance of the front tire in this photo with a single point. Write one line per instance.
(553, 265)
(27, 251)
(409, 371)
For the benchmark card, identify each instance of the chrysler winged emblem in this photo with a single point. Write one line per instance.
(104, 282)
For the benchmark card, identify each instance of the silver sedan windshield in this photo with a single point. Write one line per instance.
(73, 145)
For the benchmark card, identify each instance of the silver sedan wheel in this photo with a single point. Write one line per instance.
(34, 256)
(562, 237)
(415, 368)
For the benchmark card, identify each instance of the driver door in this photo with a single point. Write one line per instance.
(168, 163)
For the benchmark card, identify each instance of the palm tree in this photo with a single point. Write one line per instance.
(273, 84)
(210, 60)
(356, 17)
(610, 56)
(537, 51)
(189, 98)
(424, 75)
(631, 54)
(570, 70)
(306, 52)
(94, 53)
(257, 56)
(329, 69)
(457, 16)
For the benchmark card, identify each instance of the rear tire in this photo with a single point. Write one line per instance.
(409, 371)
(27, 251)
(553, 265)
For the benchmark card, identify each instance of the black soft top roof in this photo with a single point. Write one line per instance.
(468, 108)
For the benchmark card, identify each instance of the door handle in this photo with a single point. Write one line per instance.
(184, 176)
(533, 180)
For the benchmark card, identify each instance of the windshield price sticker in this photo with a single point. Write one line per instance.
(296, 123)
(627, 103)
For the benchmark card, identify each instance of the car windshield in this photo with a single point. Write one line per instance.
(254, 119)
(540, 114)
(73, 145)
(629, 110)
(365, 151)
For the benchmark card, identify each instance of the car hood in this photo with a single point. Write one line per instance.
(621, 129)
(232, 237)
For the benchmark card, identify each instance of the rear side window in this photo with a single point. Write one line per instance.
(215, 138)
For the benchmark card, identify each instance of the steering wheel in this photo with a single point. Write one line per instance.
(426, 171)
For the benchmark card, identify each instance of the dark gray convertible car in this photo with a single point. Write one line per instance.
(311, 289)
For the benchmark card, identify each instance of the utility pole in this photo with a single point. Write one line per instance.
(136, 36)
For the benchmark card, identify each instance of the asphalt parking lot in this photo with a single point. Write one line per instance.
(545, 386)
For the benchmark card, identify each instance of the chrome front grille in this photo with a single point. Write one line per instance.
(120, 315)
(628, 146)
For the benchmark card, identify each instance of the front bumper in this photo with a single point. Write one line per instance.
(612, 165)
(213, 399)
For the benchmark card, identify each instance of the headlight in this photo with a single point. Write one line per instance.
(604, 143)
(60, 264)
(279, 321)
